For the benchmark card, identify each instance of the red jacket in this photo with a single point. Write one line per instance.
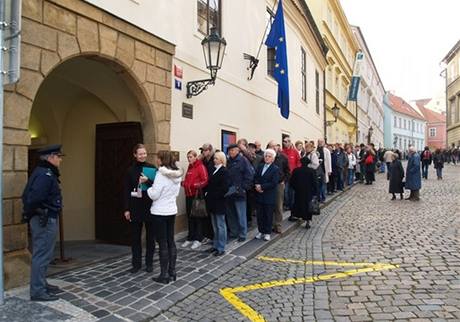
(195, 178)
(293, 158)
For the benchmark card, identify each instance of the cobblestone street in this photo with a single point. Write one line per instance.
(421, 240)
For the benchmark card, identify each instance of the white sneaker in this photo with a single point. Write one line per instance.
(205, 241)
(196, 244)
(266, 237)
(186, 243)
(259, 236)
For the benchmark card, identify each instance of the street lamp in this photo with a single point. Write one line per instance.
(369, 135)
(213, 51)
(335, 113)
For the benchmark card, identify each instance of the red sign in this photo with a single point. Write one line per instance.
(178, 71)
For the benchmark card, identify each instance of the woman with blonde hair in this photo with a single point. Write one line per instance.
(215, 202)
(164, 192)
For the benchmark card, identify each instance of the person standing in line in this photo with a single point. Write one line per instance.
(137, 203)
(370, 161)
(351, 166)
(164, 192)
(215, 202)
(300, 148)
(294, 162)
(195, 181)
(304, 183)
(388, 159)
(427, 158)
(42, 202)
(324, 156)
(413, 176)
(207, 157)
(341, 161)
(361, 158)
(266, 181)
(333, 177)
(241, 177)
(396, 177)
(438, 162)
(259, 148)
(282, 163)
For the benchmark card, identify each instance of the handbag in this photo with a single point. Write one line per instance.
(313, 207)
(199, 206)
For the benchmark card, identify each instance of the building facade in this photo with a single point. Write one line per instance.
(404, 126)
(100, 76)
(370, 97)
(452, 61)
(435, 132)
(336, 31)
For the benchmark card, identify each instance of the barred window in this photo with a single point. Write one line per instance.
(270, 51)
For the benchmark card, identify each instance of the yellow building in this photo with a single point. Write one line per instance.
(338, 36)
(452, 60)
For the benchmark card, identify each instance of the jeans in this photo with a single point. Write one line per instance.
(382, 167)
(322, 191)
(236, 218)
(388, 170)
(265, 218)
(339, 178)
(43, 241)
(164, 234)
(351, 176)
(220, 231)
(195, 225)
(425, 166)
(439, 172)
(136, 243)
(288, 196)
(278, 215)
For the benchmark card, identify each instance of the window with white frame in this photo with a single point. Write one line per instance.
(303, 71)
(432, 131)
(395, 121)
(213, 12)
(399, 122)
(317, 90)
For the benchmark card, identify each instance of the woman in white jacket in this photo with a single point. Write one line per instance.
(164, 192)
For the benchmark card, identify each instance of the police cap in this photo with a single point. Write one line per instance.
(51, 149)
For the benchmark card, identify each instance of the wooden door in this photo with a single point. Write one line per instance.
(114, 144)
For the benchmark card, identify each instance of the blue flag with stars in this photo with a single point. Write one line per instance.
(277, 39)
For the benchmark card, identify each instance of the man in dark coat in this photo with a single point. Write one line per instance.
(426, 161)
(396, 172)
(413, 175)
(266, 183)
(304, 183)
(42, 201)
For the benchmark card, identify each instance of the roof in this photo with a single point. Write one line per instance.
(451, 53)
(430, 115)
(312, 23)
(401, 106)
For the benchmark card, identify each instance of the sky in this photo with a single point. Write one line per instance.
(407, 39)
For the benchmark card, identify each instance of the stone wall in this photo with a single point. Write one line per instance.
(54, 31)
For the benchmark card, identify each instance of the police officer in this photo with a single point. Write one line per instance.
(42, 202)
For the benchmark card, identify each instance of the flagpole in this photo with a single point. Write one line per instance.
(265, 31)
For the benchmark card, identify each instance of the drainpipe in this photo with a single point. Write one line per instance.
(324, 106)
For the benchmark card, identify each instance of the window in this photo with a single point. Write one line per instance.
(399, 122)
(214, 13)
(405, 124)
(317, 91)
(303, 55)
(395, 122)
(432, 132)
(271, 52)
(451, 119)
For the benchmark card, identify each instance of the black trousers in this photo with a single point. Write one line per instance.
(136, 243)
(331, 183)
(195, 225)
(265, 218)
(164, 233)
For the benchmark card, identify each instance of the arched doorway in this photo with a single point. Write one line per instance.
(85, 105)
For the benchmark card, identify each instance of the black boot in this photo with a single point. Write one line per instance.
(402, 196)
(164, 263)
(394, 197)
(172, 263)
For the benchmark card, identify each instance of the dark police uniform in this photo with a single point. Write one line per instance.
(42, 200)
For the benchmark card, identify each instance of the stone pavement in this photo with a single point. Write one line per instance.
(362, 225)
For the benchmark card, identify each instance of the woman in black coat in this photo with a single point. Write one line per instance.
(396, 177)
(218, 184)
(304, 183)
(137, 205)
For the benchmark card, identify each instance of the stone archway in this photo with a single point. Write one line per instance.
(53, 32)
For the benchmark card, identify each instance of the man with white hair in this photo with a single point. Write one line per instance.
(413, 175)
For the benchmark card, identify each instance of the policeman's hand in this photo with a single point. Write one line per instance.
(143, 178)
(127, 215)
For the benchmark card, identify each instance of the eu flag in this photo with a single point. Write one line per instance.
(277, 39)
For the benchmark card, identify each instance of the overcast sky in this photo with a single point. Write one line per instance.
(407, 39)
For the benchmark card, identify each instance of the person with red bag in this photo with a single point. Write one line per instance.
(369, 165)
(195, 180)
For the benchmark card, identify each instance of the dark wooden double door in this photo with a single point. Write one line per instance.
(114, 144)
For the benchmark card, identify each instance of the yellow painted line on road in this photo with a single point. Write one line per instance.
(229, 293)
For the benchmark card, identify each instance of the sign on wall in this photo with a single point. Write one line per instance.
(227, 138)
